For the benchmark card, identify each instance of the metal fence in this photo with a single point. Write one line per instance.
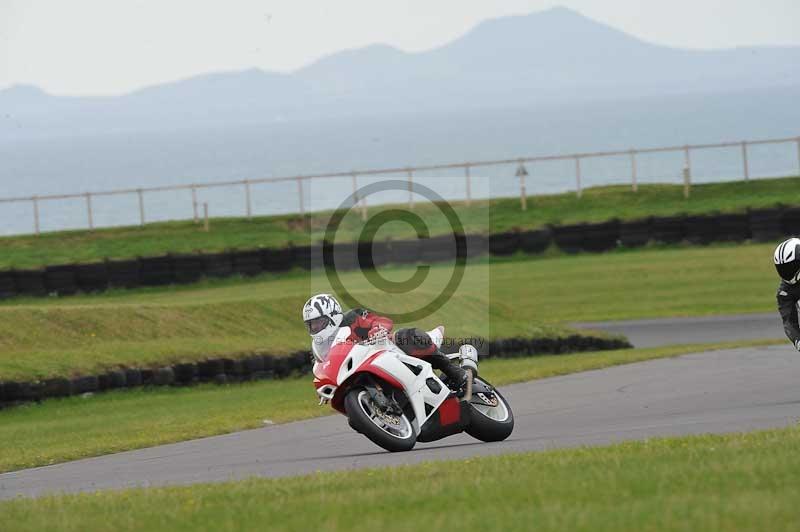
(521, 174)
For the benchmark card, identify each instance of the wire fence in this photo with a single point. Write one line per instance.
(521, 173)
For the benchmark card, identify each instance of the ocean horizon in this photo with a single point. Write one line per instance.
(129, 160)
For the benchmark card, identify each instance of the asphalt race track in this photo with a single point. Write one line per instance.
(722, 391)
(698, 330)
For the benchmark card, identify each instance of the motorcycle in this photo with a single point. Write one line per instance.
(396, 400)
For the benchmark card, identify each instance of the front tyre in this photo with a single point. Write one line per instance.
(388, 430)
(491, 418)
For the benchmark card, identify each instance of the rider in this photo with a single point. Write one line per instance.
(323, 318)
(787, 262)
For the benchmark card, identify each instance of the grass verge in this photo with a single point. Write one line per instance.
(58, 430)
(497, 299)
(596, 204)
(730, 482)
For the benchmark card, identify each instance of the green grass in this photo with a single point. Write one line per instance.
(95, 333)
(597, 204)
(730, 482)
(517, 297)
(64, 429)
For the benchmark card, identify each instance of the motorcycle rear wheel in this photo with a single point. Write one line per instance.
(491, 423)
(393, 433)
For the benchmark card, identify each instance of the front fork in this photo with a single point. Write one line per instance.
(386, 402)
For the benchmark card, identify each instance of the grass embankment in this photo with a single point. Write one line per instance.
(89, 334)
(730, 482)
(597, 204)
(64, 429)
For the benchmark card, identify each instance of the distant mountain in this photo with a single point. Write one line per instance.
(553, 56)
(21, 97)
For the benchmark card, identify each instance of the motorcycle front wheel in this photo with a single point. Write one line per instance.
(393, 432)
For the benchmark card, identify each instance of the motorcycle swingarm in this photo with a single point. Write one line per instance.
(481, 390)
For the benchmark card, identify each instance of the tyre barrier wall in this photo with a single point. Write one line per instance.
(757, 225)
(263, 366)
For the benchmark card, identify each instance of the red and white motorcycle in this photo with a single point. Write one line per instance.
(396, 400)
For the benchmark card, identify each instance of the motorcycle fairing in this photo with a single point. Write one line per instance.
(425, 391)
(452, 417)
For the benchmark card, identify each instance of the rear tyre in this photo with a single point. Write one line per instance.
(390, 431)
(490, 423)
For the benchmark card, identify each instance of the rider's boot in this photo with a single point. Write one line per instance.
(456, 375)
(425, 345)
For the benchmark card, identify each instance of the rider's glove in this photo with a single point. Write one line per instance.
(377, 332)
(797, 345)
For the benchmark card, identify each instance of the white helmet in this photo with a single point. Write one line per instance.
(787, 260)
(322, 315)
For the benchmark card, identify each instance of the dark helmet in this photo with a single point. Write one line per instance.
(787, 260)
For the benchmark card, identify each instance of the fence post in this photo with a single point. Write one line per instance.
(194, 204)
(36, 214)
(523, 194)
(634, 183)
(357, 200)
(468, 182)
(205, 217)
(247, 198)
(578, 189)
(89, 211)
(744, 161)
(687, 181)
(687, 158)
(798, 155)
(410, 189)
(300, 197)
(141, 206)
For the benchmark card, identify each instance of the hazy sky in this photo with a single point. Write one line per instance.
(113, 46)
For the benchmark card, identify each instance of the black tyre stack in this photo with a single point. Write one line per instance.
(760, 225)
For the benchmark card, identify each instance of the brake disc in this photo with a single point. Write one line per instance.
(386, 417)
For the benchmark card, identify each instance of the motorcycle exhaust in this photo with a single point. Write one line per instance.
(468, 391)
(469, 358)
(469, 361)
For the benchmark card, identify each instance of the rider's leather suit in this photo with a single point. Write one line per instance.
(412, 341)
(788, 296)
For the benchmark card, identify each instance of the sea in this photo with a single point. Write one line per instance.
(140, 159)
